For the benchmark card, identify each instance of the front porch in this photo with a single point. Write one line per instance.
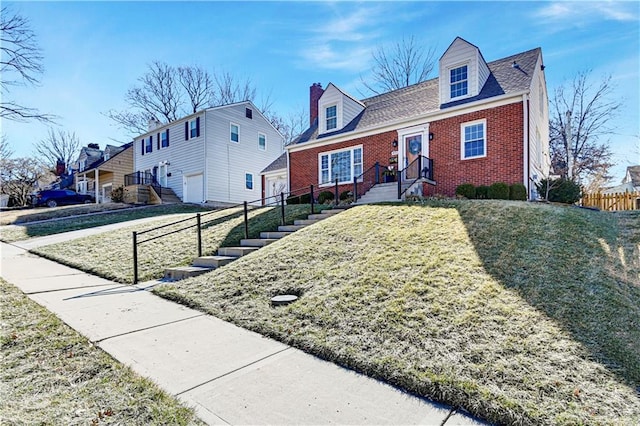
(143, 188)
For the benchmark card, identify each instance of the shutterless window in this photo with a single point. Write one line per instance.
(262, 142)
(474, 140)
(458, 81)
(332, 117)
(235, 133)
(248, 181)
(341, 165)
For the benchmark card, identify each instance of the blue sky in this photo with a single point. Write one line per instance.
(94, 51)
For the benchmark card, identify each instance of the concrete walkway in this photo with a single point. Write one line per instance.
(230, 375)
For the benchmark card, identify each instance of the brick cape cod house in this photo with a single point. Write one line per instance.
(477, 122)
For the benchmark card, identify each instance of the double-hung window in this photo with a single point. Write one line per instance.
(148, 144)
(331, 117)
(458, 81)
(248, 181)
(195, 128)
(262, 141)
(235, 133)
(342, 165)
(164, 136)
(473, 139)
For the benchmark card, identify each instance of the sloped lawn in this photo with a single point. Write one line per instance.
(518, 313)
(110, 255)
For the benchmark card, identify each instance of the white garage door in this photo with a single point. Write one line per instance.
(274, 185)
(193, 189)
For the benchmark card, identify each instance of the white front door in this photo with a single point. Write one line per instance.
(274, 186)
(162, 175)
(106, 193)
(193, 189)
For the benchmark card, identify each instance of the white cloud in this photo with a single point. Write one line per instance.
(582, 12)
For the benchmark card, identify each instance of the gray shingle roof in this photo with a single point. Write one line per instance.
(277, 164)
(423, 98)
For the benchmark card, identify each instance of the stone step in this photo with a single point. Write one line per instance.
(236, 251)
(274, 234)
(213, 261)
(182, 272)
(318, 216)
(305, 222)
(332, 211)
(257, 242)
(290, 228)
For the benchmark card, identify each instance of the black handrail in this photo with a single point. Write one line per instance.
(420, 168)
(143, 178)
(367, 179)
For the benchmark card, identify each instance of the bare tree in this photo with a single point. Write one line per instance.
(579, 119)
(198, 85)
(20, 65)
(58, 146)
(5, 148)
(229, 89)
(405, 64)
(291, 125)
(18, 178)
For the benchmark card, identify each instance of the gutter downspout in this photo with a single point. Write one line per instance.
(527, 145)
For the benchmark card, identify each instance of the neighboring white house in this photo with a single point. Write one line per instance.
(214, 155)
(630, 182)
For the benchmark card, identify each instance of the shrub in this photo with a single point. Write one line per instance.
(518, 191)
(117, 195)
(345, 195)
(498, 191)
(325, 196)
(560, 190)
(466, 190)
(293, 199)
(305, 199)
(482, 192)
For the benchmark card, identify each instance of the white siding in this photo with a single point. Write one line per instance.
(347, 108)
(538, 124)
(228, 162)
(458, 54)
(186, 157)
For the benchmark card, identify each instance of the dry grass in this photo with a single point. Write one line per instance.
(519, 313)
(82, 219)
(52, 375)
(110, 254)
(24, 215)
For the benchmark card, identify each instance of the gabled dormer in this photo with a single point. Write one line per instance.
(462, 72)
(336, 109)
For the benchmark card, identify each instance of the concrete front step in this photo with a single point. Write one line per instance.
(213, 261)
(318, 216)
(305, 221)
(290, 228)
(236, 251)
(257, 242)
(332, 211)
(274, 234)
(182, 272)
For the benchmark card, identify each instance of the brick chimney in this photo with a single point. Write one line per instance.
(315, 91)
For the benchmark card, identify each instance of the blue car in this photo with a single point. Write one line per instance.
(60, 197)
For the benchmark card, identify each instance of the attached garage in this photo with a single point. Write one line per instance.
(193, 189)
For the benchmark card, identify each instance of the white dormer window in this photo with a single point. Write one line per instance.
(82, 164)
(331, 114)
(106, 155)
(458, 81)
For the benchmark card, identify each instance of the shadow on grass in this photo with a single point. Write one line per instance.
(571, 264)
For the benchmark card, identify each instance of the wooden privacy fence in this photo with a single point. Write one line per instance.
(611, 202)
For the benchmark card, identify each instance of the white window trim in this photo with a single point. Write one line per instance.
(253, 182)
(193, 123)
(330, 183)
(322, 122)
(265, 141)
(482, 121)
(453, 67)
(106, 155)
(230, 126)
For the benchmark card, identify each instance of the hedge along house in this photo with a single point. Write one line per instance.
(477, 123)
(215, 155)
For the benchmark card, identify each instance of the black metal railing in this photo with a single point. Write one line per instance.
(307, 195)
(420, 168)
(143, 178)
(372, 176)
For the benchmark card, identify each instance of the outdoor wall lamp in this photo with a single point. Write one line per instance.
(395, 143)
(430, 136)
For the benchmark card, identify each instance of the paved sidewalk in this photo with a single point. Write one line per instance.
(230, 375)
